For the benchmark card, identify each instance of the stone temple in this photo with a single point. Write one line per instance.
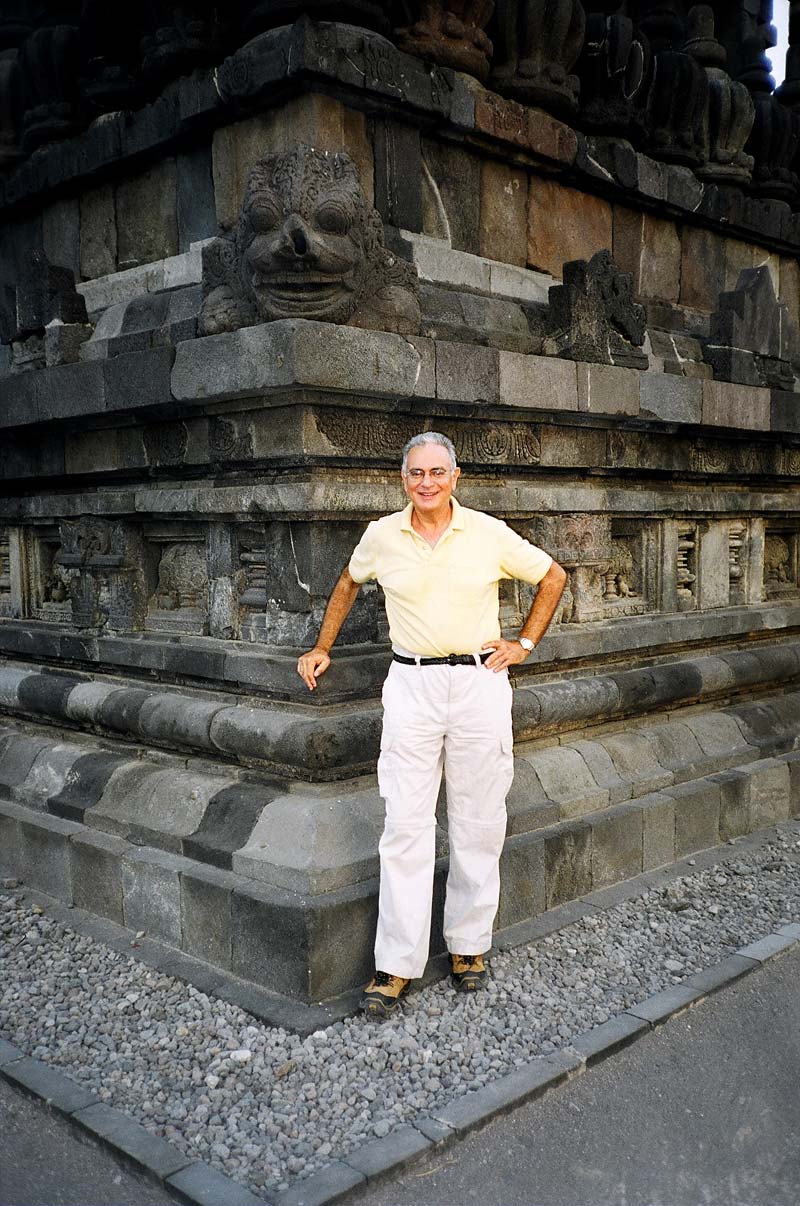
(246, 251)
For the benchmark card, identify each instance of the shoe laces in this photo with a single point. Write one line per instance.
(470, 960)
(382, 979)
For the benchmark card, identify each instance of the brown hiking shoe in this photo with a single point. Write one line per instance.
(382, 994)
(467, 972)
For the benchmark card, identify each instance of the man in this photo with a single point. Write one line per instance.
(447, 701)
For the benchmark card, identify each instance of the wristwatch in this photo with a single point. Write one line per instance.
(526, 643)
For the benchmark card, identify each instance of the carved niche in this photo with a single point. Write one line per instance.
(178, 601)
(781, 564)
(307, 245)
(606, 562)
(450, 33)
(686, 566)
(737, 573)
(592, 315)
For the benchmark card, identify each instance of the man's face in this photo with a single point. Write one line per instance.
(428, 480)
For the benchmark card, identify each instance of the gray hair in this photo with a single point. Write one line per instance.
(430, 437)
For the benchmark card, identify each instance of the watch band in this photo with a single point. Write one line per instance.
(526, 643)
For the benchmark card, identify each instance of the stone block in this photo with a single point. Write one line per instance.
(738, 256)
(785, 411)
(44, 859)
(602, 769)
(9, 839)
(635, 760)
(176, 720)
(714, 571)
(568, 862)
(195, 205)
(616, 845)
(793, 762)
(310, 950)
(71, 390)
(389, 1154)
(520, 283)
(676, 749)
(61, 234)
(228, 822)
(295, 352)
(650, 249)
(47, 775)
(98, 232)
(327, 1185)
(524, 126)
(566, 780)
(696, 816)
(466, 374)
(49, 1085)
(151, 894)
(726, 404)
(127, 1136)
(97, 874)
(85, 701)
(138, 379)
(527, 805)
(147, 221)
(398, 174)
(522, 880)
(537, 382)
(702, 268)
(206, 896)
(574, 700)
(670, 398)
(17, 756)
(314, 844)
(203, 1185)
(564, 225)
(734, 804)
(453, 194)
(504, 212)
(770, 795)
(658, 830)
(608, 389)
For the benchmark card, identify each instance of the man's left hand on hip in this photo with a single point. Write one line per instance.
(506, 653)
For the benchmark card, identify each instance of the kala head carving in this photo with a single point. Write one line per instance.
(307, 245)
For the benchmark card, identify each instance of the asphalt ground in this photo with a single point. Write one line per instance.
(704, 1111)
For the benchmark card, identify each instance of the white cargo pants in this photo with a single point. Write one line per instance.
(459, 717)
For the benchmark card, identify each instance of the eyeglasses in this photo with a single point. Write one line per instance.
(419, 475)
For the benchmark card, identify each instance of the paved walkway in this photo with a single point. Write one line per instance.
(704, 1112)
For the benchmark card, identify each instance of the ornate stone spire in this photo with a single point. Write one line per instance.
(613, 70)
(729, 113)
(539, 44)
(452, 34)
(678, 87)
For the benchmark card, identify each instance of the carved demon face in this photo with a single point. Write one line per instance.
(306, 237)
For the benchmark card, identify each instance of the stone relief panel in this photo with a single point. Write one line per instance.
(307, 245)
(50, 582)
(609, 563)
(178, 572)
(781, 564)
(686, 566)
(737, 538)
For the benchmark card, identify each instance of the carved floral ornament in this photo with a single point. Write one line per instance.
(307, 245)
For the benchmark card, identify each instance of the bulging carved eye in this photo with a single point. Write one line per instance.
(264, 217)
(333, 219)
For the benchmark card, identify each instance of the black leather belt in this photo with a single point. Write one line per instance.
(453, 659)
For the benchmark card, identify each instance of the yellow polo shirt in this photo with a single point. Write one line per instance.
(444, 600)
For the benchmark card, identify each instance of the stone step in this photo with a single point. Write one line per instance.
(313, 946)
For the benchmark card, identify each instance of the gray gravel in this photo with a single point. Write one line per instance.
(267, 1107)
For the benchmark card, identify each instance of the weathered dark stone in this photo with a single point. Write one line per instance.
(752, 338)
(196, 211)
(84, 785)
(729, 113)
(538, 45)
(398, 174)
(593, 316)
(228, 822)
(568, 862)
(46, 293)
(451, 34)
(613, 70)
(46, 693)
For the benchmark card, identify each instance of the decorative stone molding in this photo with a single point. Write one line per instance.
(729, 113)
(538, 46)
(450, 33)
(593, 316)
(307, 245)
(614, 68)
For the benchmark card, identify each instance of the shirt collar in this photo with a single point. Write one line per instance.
(456, 521)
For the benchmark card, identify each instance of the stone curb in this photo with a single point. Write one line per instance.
(199, 1183)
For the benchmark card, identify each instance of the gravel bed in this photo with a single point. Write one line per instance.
(267, 1107)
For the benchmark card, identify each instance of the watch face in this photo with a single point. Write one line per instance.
(526, 643)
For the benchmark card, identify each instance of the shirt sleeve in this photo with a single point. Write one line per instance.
(521, 559)
(362, 565)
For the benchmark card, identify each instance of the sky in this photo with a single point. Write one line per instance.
(780, 18)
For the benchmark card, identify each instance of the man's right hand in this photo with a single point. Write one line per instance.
(312, 664)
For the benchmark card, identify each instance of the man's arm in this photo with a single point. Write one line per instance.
(317, 660)
(511, 653)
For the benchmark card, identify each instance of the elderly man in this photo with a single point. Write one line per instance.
(447, 702)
